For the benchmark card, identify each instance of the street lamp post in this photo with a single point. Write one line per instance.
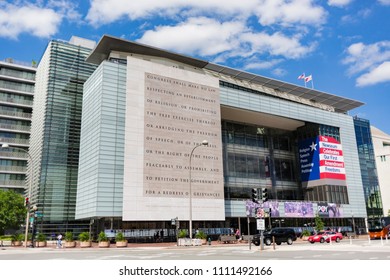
(204, 143)
(28, 192)
(35, 209)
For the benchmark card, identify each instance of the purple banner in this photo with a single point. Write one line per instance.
(273, 208)
(298, 209)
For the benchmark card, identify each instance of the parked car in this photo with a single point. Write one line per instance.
(317, 237)
(333, 236)
(323, 236)
(287, 235)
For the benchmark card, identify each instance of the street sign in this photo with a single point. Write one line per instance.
(259, 213)
(260, 224)
(39, 214)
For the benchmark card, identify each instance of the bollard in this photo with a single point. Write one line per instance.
(273, 241)
(350, 239)
(209, 241)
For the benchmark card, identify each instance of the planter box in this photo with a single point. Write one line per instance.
(184, 242)
(104, 244)
(121, 244)
(70, 244)
(190, 242)
(40, 244)
(85, 244)
(17, 243)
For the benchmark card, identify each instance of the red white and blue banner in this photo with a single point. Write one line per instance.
(321, 158)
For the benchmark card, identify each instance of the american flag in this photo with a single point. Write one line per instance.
(308, 78)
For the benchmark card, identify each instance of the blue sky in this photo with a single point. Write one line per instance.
(343, 44)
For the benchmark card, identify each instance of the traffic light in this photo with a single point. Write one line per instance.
(255, 195)
(264, 194)
(26, 202)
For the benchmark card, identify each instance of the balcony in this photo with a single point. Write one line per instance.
(15, 141)
(15, 115)
(13, 169)
(13, 155)
(15, 128)
(16, 102)
(14, 184)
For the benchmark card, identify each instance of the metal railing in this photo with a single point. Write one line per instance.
(15, 114)
(9, 154)
(13, 183)
(19, 141)
(15, 169)
(17, 101)
(15, 127)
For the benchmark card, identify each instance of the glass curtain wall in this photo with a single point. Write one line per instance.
(58, 121)
(258, 157)
(368, 168)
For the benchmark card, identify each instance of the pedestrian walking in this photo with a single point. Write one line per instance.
(238, 234)
(59, 241)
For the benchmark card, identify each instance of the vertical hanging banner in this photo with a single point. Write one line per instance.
(321, 161)
(331, 159)
(309, 159)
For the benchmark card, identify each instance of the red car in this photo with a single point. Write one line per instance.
(327, 236)
(333, 236)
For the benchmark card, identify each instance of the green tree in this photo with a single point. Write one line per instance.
(319, 223)
(12, 210)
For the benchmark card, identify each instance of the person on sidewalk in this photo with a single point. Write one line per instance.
(238, 234)
(59, 241)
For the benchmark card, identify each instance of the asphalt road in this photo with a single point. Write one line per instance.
(345, 250)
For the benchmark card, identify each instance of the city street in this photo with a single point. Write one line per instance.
(360, 249)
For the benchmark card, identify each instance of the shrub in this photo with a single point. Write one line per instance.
(201, 235)
(102, 236)
(41, 237)
(84, 236)
(182, 233)
(120, 237)
(69, 236)
(18, 237)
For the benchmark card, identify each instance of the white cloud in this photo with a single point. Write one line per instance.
(224, 39)
(107, 11)
(357, 17)
(379, 74)
(339, 3)
(40, 19)
(371, 61)
(290, 12)
(384, 2)
(219, 30)
(284, 12)
(277, 44)
(262, 64)
(279, 72)
(40, 22)
(66, 8)
(190, 36)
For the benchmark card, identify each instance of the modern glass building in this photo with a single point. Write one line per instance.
(146, 112)
(55, 137)
(368, 168)
(17, 80)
